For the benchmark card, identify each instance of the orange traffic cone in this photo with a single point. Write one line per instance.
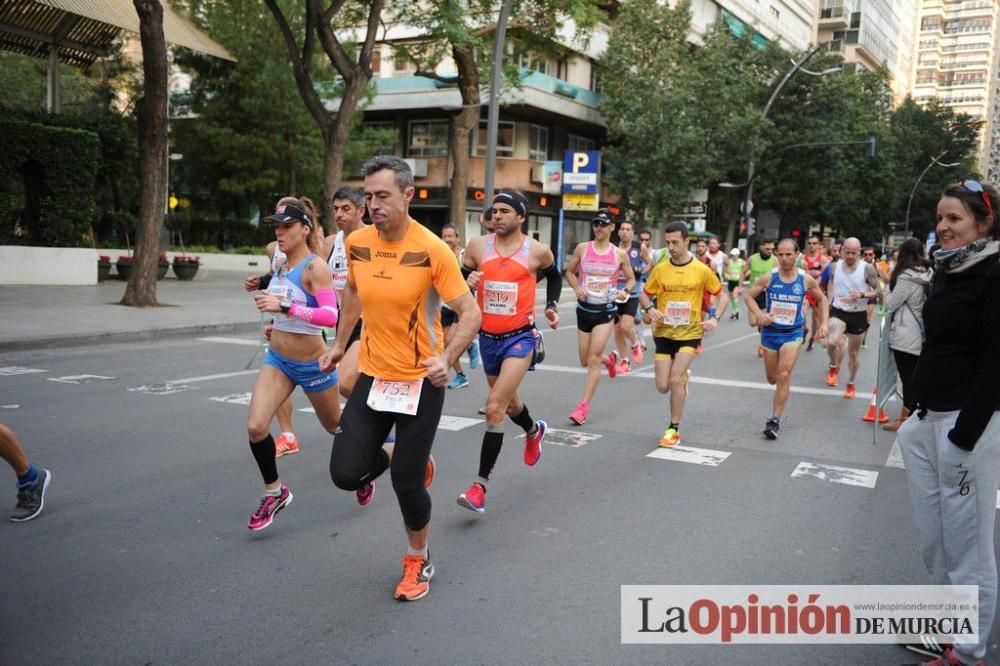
(869, 416)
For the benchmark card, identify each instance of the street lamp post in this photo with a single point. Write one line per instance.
(747, 201)
(909, 203)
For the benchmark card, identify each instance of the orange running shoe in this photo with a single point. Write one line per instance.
(850, 393)
(285, 446)
(416, 580)
(670, 438)
(832, 376)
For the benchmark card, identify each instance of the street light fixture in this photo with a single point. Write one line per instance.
(934, 160)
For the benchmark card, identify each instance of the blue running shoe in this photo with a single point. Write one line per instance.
(460, 381)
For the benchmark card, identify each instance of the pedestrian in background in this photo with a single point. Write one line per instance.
(908, 287)
(952, 448)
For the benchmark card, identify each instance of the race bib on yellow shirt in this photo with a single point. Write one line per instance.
(784, 313)
(500, 298)
(678, 313)
(398, 397)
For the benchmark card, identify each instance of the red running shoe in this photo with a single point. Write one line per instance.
(533, 444)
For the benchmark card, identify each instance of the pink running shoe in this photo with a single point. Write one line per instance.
(533, 444)
(637, 354)
(624, 367)
(365, 493)
(579, 415)
(611, 363)
(270, 505)
(474, 498)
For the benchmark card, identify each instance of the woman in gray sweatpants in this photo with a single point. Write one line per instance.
(951, 446)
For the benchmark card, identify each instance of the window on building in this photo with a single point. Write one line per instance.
(376, 63)
(595, 78)
(538, 149)
(855, 19)
(931, 23)
(505, 139)
(428, 138)
(580, 143)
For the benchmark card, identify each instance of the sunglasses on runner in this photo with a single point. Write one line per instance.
(974, 186)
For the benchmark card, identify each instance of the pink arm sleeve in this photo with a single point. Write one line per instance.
(324, 315)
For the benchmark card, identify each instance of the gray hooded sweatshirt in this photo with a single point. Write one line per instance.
(906, 305)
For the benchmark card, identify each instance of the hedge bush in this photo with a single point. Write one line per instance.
(54, 169)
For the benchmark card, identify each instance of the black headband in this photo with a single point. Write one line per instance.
(515, 200)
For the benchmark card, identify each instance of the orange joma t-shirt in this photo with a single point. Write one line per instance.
(401, 286)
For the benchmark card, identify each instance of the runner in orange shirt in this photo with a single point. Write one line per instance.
(399, 272)
(502, 266)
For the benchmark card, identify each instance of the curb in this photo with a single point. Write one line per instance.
(116, 337)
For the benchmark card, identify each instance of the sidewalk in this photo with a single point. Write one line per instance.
(34, 317)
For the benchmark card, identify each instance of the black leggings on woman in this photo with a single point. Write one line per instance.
(357, 456)
(906, 364)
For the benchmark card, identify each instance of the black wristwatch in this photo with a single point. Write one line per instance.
(648, 308)
(286, 305)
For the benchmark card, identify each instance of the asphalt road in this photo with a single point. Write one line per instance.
(142, 555)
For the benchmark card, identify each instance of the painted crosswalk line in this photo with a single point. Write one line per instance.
(848, 476)
(690, 454)
(233, 399)
(895, 458)
(168, 388)
(19, 370)
(79, 379)
(456, 423)
(571, 438)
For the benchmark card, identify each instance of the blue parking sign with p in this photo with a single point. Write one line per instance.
(581, 170)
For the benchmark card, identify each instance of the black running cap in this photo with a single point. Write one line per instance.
(287, 213)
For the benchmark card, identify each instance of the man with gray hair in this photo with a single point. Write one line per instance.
(853, 283)
(399, 272)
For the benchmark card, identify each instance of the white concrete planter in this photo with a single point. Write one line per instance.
(78, 266)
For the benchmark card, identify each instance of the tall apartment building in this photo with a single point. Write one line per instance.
(869, 34)
(789, 22)
(957, 50)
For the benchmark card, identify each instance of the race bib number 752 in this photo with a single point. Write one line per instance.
(399, 397)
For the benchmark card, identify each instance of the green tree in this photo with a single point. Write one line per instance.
(465, 31)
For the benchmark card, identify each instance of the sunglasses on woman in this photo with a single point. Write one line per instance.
(974, 186)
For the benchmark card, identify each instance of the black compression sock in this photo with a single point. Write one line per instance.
(523, 419)
(492, 441)
(263, 453)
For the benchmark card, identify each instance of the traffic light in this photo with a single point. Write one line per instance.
(871, 146)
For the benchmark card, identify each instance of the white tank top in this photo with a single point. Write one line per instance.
(338, 263)
(844, 283)
(277, 258)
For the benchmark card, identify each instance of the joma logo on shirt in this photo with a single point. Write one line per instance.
(385, 255)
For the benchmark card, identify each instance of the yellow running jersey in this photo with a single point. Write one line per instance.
(679, 291)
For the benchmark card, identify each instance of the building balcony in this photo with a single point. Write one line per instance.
(537, 90)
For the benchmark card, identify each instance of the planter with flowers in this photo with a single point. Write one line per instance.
(124, 266)
(164, 266)
(103, 268)
(185, 268)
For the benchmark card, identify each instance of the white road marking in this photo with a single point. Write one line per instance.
(690, 454)
(248, 342)
(729, 342)
(571, 438)
(998, 499)
(162, 389)
(9, 406)
(848, 476)
(895, 458)
(224, 375)
(233, 399)
(456, 423)
(19, 370)
(695, 379)
(78, 379)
